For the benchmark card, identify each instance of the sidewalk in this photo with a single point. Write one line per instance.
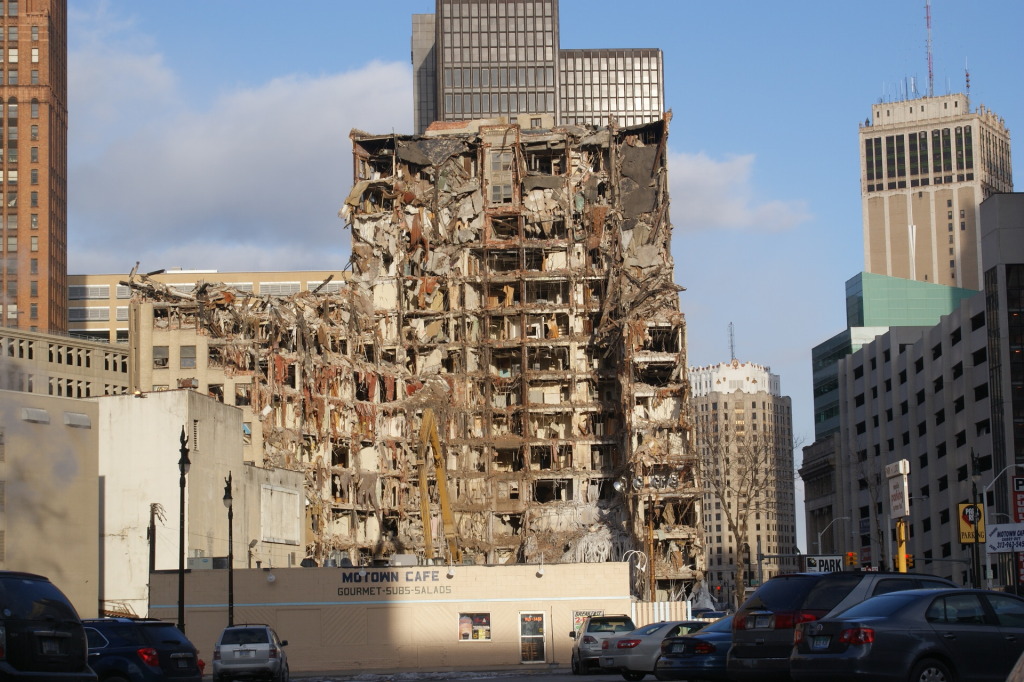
(416, 676)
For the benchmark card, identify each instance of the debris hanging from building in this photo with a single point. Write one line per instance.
(516, 284)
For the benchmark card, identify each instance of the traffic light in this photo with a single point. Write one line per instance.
(851, 558)
(910, 560)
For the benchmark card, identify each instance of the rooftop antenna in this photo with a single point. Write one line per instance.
(928, 44)
(967, 77)
(732, 342)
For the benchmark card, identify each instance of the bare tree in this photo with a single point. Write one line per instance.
(744, 473)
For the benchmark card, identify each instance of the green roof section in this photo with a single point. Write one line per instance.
(881, 301)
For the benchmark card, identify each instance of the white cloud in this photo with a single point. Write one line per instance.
(254, 178)
(717, 194)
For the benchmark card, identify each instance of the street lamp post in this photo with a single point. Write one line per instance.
(976, 555)
(840, 518)
(183, 467)
(228, 502)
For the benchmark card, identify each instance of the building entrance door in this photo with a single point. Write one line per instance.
(531, 636)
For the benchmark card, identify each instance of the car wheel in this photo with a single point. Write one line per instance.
(931, 670)
(575, 665)
(633, 676)
(284, 675)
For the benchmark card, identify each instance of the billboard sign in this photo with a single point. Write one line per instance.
(823, 563)
(971, 518)
(1005, 537)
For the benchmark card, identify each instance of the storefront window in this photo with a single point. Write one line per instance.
(475, 627)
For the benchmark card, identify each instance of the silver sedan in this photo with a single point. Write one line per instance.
(635, 653)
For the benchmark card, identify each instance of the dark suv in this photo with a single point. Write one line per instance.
(141, 650)
(762, 630)
(41, 636)
(586, 647)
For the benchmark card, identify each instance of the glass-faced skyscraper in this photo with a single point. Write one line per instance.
(502, 59)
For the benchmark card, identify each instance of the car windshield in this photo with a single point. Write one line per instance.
(244, 636)
(611, 626)
(784, 592)
(828, 592)
(650, 629)
(881, 606)
(34, 600)
(165, 633)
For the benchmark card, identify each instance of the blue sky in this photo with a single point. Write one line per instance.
(215, 135)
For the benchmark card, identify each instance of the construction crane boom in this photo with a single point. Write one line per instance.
(429, 438)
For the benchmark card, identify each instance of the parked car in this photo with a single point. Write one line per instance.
(141, 650)
(247, 652)
(763, 625)
(635, 654)
(914, 636)
(41, 635)
(711, 615)
(700, 655)
(586, 647)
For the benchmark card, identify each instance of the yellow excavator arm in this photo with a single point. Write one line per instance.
(429, 438)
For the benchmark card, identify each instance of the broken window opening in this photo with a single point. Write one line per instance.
(505, 362)
(602, 456)
(534, 260)
(507, 424)
(505, 394)
(508, 524)
(375, 167)
(340, 456)
(217, 392)
(339, 491)
(362, 386)
(502, 295)
(504, 227)
(540, 457)
(508, 459)
(243, 394)
(606, 490)
(548, 393)
(161, 357)
(546, 292)
(452, 362)
(662, 340)
(503, 260)
(557, 229)
(503, 327)
(551, 326)
(545, 160)
(214, 358)
(654, 373)
(552, 490)
(548, 358)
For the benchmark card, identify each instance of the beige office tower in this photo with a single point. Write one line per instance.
(926, 166)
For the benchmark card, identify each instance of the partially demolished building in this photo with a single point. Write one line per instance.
(517, 282)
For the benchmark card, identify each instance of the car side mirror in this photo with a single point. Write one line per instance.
(572, 634)
(284, 642)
